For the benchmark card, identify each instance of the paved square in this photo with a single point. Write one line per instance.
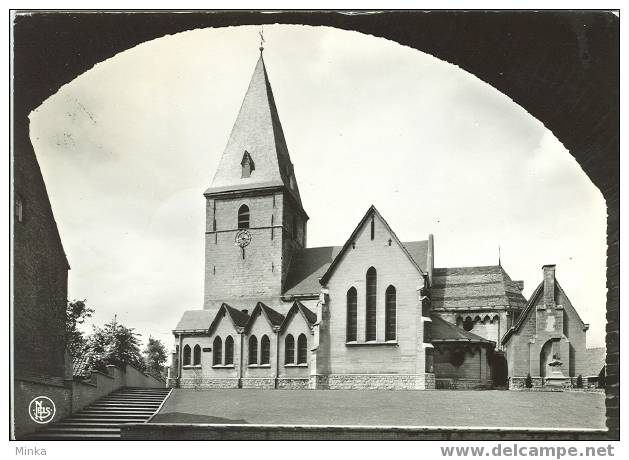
(391, 408)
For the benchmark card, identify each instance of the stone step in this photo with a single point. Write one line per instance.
(84, 429)
(105, 415)
(43, 436)
(115, 420)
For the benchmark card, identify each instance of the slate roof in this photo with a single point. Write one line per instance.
(258, 131)
(594, 361)
(443, 331)
(194, 320)
(274, 317)
(80, 366)
(468, 287)
(306, 313)
(308, 265)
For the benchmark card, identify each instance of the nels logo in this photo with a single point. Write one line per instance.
(41, 409)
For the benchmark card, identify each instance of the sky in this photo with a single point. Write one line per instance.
(127, 149)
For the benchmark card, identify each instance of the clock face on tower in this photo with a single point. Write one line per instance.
(243, 238)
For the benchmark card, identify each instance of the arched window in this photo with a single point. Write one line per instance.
(352, 313)
(253, 350)
(229, 350)
(390, 314)
(302, 349)
(468, 324)
(243, 216)
(217, 351)
(186, 355)
(370, 323)
(289, 350)
(265, 350)
(196, 359)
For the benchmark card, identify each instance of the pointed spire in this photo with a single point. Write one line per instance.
(499, 264)
(257, 131)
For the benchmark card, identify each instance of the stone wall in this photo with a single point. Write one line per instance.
(373, 382)
(462, 384)
(205, 383)
(293, 383)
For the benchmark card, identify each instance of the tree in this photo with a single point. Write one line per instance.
(114, 344)
(528, 381)
(76, 313)
(579, 381)
(155, 356)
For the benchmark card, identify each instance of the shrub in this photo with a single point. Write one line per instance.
(579, 381)
(528, 382)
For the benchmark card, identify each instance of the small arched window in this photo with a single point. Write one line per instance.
(370, 323)
(390, 313)
(289, 350)
(468, 324)
(196, 359)
(229, 350)
(302, 349)
(352, 313)
(243, 216)
(265, 350)
(253, 350)
(186, 355)
(217, 352)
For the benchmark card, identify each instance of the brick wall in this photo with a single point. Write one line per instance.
(40, 272)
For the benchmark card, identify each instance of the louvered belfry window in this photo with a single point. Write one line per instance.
(370, 323)
(243, 217)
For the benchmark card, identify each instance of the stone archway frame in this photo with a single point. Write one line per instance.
(562, 67)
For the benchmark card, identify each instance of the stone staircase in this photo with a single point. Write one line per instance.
(102, 419)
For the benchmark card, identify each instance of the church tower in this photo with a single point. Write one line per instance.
(254, 217)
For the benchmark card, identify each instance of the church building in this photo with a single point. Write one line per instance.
(371, 313)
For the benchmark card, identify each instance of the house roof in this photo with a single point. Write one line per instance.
(274, 318)
(258, 131)
(308, 265)
(443, 331)
(80, 366)
(372, 211)
(309, 316)
(467, 287)
(594, 361)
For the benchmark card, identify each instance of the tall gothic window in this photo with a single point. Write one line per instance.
(352, 314)
(196, 358)
(289, 350)
(302, 349)
(390, 314)
(217, 351)
(243, 216)
(370, 323)
(229, 350)
(186, 355)
(253, 350)
(265, 350)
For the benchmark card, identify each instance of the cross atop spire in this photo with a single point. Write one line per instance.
(261, 33)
